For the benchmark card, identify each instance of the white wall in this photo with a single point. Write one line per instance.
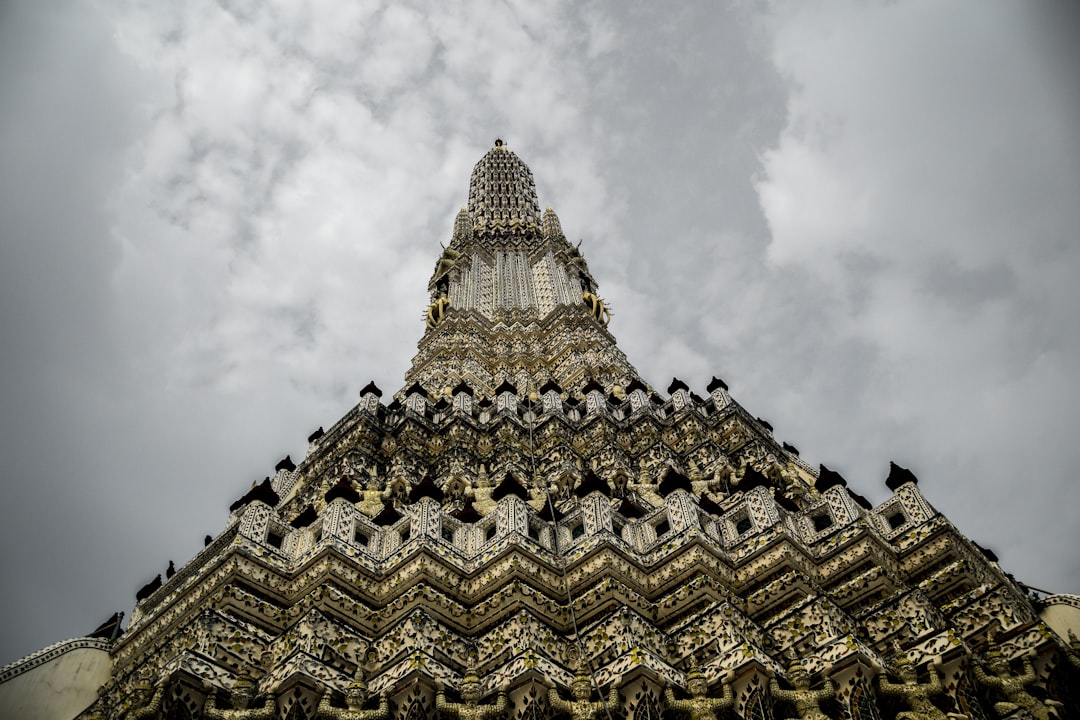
(56, 683)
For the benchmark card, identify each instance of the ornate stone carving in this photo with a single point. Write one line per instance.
(807, 702)
(579, 707)
(700, 706)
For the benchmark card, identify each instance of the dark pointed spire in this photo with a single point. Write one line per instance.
(716, 384)
(676, 385)
(387, 516)
(264, 492)
(305, 518)
(506, 386)
(591, 483)
(752, 478)
(674, 480)
(509, 486)
(148, 589)
(899, 476)
(467, 513)
(426, 488)
(372, 388)
(550, 386)
(343, 488)
(828, 478)
(592, 386)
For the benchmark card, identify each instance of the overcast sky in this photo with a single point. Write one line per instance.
(218, 219)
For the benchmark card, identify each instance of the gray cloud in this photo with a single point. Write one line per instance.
(218, 221)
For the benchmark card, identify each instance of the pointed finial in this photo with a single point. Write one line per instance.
(552, 228)
(498, 142)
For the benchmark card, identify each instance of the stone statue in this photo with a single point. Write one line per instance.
(436, 311)
(775, 472)
(470, 709)
(596, 307)
(241, 695)
(398, 489)
(356, 695)
(1012, 686)
(447, 261)
(1073, 653)
(807, 702)
(145, 701)
(723, 478)
(700, 706)
(457, 488)
(915, 694)
(580, 707)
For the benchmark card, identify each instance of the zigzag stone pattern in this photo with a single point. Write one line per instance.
(527, 512)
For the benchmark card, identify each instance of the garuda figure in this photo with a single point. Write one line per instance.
(580, 707)
(700, 706)
(241, 696)
(807, 702)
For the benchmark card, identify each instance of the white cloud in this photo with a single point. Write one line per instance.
(922, 177)
(248, 197)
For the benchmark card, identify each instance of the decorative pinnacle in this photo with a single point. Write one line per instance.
(502, 193)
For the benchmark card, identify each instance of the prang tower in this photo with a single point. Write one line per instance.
(527, 529)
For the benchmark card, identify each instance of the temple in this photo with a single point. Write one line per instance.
(529, 529)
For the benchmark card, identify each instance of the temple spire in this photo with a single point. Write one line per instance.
(502, 194)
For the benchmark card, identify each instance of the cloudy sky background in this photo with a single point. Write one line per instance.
(217, 221)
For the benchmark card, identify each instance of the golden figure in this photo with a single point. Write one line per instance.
(915, 694)
(145, 701)
(723, 478)
(700, 706)
(807, 702)
(580, 707)
(470, 709)
(775, 472)
(356, 696)
(1012, 686)
(241, 695)
(1073, 654)
(596, 307)
(436, 311)
(447, 261)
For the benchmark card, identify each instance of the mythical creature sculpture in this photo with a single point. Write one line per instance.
(145, 701)
(470, 709)
(775, 472)
(241, 696)
(723, 478)
(807, 702)
(915, 694)
(1073, 653)
(580, 707)
(597, 307)
(436, 311)
(397, 490)
(447, 261)
(700, 706)
(1012, 686)
(356, 695)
